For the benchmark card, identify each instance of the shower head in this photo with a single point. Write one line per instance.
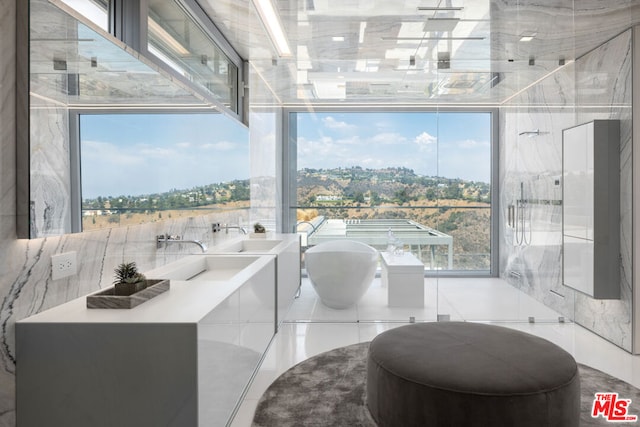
(530, 133)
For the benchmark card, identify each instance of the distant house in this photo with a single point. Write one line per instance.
(327, 198)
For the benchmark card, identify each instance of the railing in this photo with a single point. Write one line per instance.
(461, 239)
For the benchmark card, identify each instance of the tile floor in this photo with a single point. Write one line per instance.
(311, 328)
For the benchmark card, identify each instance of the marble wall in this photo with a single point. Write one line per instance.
(12, 251)
(596, 86)
(50, 170)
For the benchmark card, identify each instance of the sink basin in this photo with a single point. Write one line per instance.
(251, 245)
(204, 267)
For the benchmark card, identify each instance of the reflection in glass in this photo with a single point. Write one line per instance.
(97, 11)
(75, 65)
(180, 42)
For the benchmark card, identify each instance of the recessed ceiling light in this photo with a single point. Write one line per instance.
(271, 21)
(337, 38)
(363, 26)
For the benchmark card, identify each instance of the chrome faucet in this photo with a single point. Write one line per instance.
(163, 240)
(242, 230)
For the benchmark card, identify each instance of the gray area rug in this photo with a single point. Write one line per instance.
(329, 390)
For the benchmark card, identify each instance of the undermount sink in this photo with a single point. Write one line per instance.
(204, 267)
(251, 245)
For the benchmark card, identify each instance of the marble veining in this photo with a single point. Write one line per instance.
(25, 285)
(603, 81)
(50, 171)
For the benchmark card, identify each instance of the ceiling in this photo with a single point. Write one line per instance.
(397, 52)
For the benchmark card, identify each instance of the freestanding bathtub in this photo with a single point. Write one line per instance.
(341, 271)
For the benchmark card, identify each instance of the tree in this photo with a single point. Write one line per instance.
(375, 199)
(453, 191)
(401, 196)
(240, 192)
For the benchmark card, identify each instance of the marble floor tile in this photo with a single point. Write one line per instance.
(311, 328)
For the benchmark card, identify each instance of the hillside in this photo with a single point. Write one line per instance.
(456, 207)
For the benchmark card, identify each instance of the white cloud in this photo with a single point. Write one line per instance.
(425, 139)
(219, 146)
(388, 138)
(111, 154)
(155, 152)
(472, 143)
(332, 123)
(183, 144)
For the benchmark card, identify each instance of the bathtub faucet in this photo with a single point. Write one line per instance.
(163, 240)
(295, 227)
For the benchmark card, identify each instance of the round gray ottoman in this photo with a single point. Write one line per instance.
(469, 374)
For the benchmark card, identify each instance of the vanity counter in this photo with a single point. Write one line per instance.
(183, 358)
(184, 302)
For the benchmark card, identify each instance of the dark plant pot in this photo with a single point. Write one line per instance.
(126, 289)
(109, 298)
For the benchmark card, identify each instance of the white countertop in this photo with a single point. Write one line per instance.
(407, 259)
(184, 302)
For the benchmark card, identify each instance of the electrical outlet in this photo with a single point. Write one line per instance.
(63, 265)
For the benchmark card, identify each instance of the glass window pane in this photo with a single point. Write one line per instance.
(424, 176)
(139, 168)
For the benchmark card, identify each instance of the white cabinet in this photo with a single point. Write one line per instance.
(591, 208)
(403, 276)
(182, 359)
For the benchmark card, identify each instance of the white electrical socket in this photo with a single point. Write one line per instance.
(63, 265)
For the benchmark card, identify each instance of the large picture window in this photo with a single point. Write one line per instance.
(139, 168)
(423, 178)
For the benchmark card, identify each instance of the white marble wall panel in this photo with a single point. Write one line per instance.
(604, 91)
(50, 170)
(597, 86)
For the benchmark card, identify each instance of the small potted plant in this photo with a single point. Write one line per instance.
(128, 280)
(259, 231)
(130, 289)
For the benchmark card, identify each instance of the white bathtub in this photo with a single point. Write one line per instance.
(341, 271)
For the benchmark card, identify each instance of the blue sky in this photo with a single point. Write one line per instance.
(452, 145)
(132, 154)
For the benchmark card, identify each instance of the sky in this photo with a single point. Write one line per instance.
(135, 154)
(452, 145)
